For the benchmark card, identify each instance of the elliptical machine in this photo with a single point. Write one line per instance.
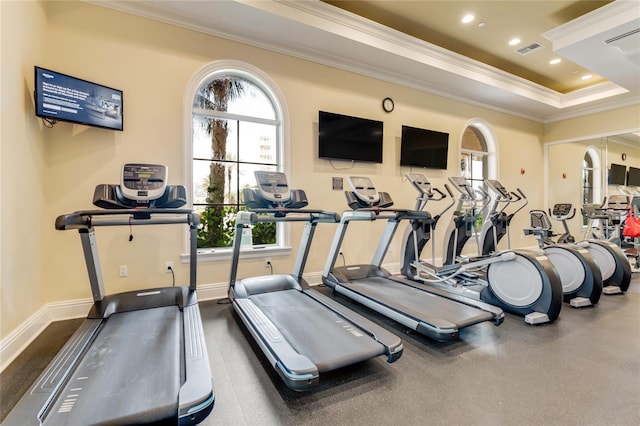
(611, 260)
(580, 275)
(491, 279)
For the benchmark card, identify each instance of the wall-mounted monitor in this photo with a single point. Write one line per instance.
(60, 97)
(633, 176)
(617, 174)
(424, 148)
(342, 137)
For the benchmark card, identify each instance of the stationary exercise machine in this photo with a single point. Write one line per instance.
(520, 282)
(140, 356)
(302, 332)
(604, 220)
(429, 311)
(579, 273)
(611, 260)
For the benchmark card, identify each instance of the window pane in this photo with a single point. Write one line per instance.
(258, 143)
(215, 182)
(216, 226)
(215, 139)
(477, 167)
(473, 140)
(234, 95)
(252, 102)
(247, 178)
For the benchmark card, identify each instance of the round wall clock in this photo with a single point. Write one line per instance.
(387, 104)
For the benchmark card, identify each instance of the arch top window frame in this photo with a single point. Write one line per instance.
(481, 126)
(241, 70)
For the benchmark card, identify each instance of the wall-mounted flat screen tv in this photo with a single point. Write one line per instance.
(424, 148)
(342, 137)
(617, 174)
(633, 177)
(60, 97)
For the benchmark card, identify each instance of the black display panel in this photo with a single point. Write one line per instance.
(60, 97)
(424, 148)
(342, 137)
(633, 177)
(617, 174)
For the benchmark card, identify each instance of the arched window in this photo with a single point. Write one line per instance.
(478, 156)
(478, 153)
(591, 178)
(236, 128)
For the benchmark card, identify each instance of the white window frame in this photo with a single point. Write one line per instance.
(490, 141)
(269, 87)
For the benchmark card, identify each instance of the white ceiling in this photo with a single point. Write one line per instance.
(325, 34)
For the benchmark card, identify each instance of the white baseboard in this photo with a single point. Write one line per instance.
(12, 345)
(18, 340)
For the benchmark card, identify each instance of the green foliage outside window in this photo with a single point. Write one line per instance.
(217, 227)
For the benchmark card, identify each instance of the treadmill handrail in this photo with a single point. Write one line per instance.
(86, 219)
(288, 215)
(389, 214)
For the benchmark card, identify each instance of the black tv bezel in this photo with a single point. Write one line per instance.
(406, 161)
(38, 106)
(636, 174)
(611, 174)
(368, 159)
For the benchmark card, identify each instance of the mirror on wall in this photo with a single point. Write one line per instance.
(581, 171)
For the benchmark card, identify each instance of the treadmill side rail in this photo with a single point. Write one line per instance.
(196, 399)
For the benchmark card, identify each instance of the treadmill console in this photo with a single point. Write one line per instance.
(363, 189)
(272, 186)
(420, 182)
(143, 182)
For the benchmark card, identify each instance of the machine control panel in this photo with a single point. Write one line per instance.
(143, 182)
(497, 187)
(363, 188)
(420, 182)
(273, 186)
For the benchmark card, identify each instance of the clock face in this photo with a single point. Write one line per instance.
(387, 104)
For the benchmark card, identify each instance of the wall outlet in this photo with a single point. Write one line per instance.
(168, 267)
(124, 271)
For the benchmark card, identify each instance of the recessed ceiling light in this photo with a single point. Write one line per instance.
(514, 41)
(468, 18)
(586, 76)
(555, 61)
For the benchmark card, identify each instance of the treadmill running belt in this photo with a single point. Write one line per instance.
(130, 374)
(318, 333)
(421, 305)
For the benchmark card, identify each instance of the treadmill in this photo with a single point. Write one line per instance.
(140, 356)
(302, 332)
(430, 311)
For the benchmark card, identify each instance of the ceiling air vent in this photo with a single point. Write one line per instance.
(525, 50)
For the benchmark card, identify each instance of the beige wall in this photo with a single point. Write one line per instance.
(153, 64)
(620, 120)
(23, 169)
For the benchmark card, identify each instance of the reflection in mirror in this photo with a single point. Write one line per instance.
(579, 172)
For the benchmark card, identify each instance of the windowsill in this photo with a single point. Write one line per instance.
(217, 255)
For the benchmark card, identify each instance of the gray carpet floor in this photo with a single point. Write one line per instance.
(584, 369)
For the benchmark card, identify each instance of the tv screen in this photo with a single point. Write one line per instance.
(342, 137)
(424, 148)
(633, 177)
(60, 97)
(617, 174)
